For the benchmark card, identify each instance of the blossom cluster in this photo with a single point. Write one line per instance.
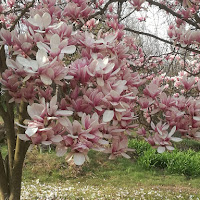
(85, 89)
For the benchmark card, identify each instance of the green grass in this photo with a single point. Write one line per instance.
(107, 178)
(50, 168)
(104, 177)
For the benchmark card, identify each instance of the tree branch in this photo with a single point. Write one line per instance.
(22, 14)
(167, 9)
(161, 39)
(102, 10)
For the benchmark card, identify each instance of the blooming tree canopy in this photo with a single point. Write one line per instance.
(80, 82)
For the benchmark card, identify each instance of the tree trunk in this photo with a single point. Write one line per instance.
(11, 168)
(4, 190)
(20, 152)
(10, 188)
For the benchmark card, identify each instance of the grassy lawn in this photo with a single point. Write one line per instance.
(48, 177)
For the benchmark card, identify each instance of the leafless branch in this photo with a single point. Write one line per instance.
(163, 40)
(168, 10)
(21, 15)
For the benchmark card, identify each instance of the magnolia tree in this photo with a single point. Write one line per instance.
(72, 79)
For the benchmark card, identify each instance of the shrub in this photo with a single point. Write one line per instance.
(187, 144)
(140, 146)
(176, 162)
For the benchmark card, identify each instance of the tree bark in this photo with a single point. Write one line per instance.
(4, 190)
(11, 171)
(20, 153)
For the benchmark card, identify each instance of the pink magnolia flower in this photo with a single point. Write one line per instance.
(81, 137)
(152, 90)
(42, 22)
(57, 47)
(162, 138)
(137, 3)
(42, 115)
(119, 146)
(188, 83)
(7, 37)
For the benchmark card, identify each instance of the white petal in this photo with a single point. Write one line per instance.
(20, 125)
(170, 148)
(23, 137)
(57, 138)
(36, 20)
(64, 112)
(41, 57)
(63, 122)
(90, 136)
(197, 134)
(23, 61)
(35, 110)
(10, 63)
(110, 38)
(34, 65)
(55, 41)
(159, 131)
(197, 118)
(175, 139)
(160, 149)
(53, 101)
(46, 19)
(43, 46)
(109, 68)
(100, 82)
(69, 49)
(45, 79)
(31, 131)
(46, 142)
(125, 155)
(120, 109)
(99, 108)
(60, 151)
(103, 142)
(153, 125)
(108, 115)
(79, 158)
(172, 131)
